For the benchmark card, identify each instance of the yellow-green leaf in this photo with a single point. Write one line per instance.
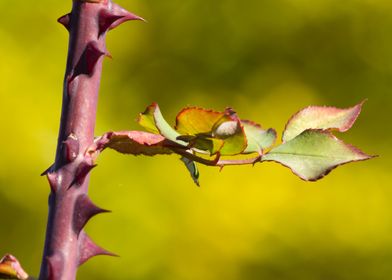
(316, 117)
(152, 120)
(258, 138)
(314, 153)
(194, 120)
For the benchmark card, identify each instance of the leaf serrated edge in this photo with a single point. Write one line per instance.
(194, 108)
(328, 133)
(344, 129)
(272, 130)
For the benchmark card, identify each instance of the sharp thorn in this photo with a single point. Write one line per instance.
(48, 170)
(88, 249)
(109, 19)
(81, 173)
(87, 61)
(64, 20)
(85, 209)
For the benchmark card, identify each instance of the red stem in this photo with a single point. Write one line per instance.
(66, 245)
(216, 161)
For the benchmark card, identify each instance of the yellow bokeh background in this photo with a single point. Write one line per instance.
(266, 59)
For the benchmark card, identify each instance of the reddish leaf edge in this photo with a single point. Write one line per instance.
(349, 125)
(322, 175)
(217, 160)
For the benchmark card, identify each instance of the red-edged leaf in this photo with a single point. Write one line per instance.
(213, 131)
(316, 117)
(134, 142)
(194, 120)
(258, 138)
(314, 153)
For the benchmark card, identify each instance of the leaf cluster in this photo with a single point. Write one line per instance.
(309, 147)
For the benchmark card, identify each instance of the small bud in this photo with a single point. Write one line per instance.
(226, 129)
(10, 268)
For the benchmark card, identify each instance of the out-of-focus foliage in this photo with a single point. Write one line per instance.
(267, 59)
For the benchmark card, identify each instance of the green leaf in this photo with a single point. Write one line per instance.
(314, 153)
(258, 138)
(147, 120)
(10, 268)
(316, 117)
(152, 120)
(192, 168)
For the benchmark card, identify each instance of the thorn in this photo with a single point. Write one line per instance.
(64, 20)
(81, 173)
(52, 178)
(48, 170)
(88, 249)
(55, 269)
(84, 210)
(71, 147)
(87, 61)
(109, 19)
(221, 168)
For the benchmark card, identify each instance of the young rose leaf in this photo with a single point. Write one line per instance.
(10, 268)
(134, 142)
(213, 131)
(314, 153)
(258, 138)
(147, 119)
(152, 120)
(192, 168)
(194, 120)
(317, 117)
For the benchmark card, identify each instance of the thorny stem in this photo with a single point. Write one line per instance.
(66, 245)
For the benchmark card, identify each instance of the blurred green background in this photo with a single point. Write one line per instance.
(266, 59)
